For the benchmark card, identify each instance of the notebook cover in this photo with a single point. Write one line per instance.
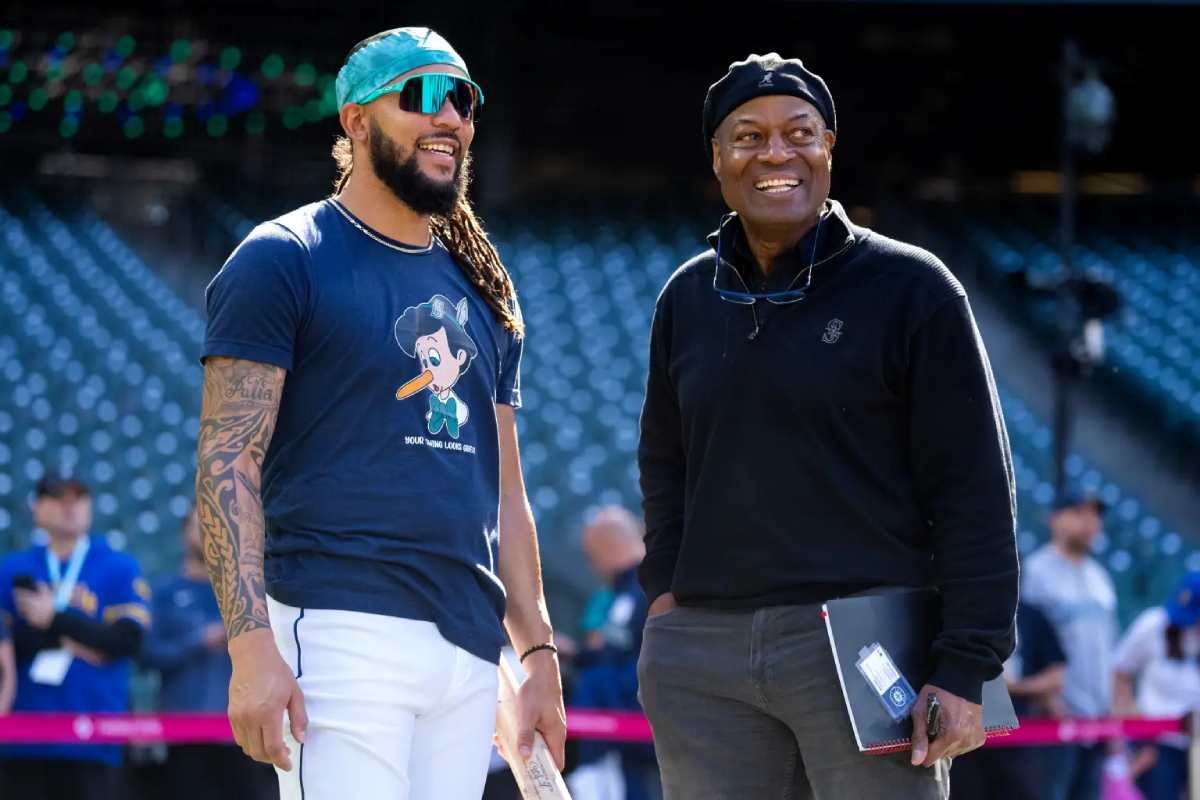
(905, 623)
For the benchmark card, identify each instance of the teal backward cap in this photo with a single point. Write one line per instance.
(386, 55)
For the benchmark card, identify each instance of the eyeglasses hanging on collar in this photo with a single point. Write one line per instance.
(792, 294)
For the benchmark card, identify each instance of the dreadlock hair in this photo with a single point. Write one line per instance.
(467, 242)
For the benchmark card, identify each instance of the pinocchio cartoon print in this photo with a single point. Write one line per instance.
(435, 333)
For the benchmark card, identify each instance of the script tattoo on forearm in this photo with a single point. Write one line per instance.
(237, 418)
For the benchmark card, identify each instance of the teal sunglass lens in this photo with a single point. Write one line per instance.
(425, 94)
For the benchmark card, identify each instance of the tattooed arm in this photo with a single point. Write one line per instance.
(237, 418)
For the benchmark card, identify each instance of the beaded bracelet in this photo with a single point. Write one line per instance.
(535, 648)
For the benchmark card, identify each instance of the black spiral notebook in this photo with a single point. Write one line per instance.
(905, 624)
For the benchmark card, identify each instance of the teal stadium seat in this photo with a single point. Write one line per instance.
(1154, 341)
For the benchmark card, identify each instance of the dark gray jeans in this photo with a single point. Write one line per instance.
(747, 705)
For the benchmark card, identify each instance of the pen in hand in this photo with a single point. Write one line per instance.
(933, 720)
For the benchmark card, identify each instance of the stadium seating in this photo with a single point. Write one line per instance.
(1154, 341)
(1144, 557)
(98, 358)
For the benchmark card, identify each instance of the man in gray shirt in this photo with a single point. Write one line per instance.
(1077, 595)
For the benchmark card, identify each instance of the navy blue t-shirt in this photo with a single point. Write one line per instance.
(381, 483)
(194, 677)
(1037, 649)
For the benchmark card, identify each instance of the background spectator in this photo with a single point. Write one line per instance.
(606, 668)
(187, 646)
(1158, 675)
(595, 617)
(79, 612)
(1077, 596)
(1035, 674)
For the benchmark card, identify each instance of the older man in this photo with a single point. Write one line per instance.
(820, 421)
(607, 665)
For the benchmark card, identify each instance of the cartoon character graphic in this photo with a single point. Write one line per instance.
(435, 333)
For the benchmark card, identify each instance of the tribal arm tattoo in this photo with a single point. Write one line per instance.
(237, 418)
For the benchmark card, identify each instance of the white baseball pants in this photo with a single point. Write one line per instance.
(395, 712)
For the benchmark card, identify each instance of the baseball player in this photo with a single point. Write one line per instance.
(358, 459)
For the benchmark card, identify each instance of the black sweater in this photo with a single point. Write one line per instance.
(794, 453)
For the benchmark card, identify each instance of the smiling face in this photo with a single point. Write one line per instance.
(440, 140)
(434, 353)
(422, 158)
(773, 157)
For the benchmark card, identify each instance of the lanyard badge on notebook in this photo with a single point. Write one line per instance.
(891, 687)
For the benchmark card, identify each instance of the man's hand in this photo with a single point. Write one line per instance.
(261, 689)
(568, 648)
(84, 653)
(1142, 761)
(961, 727)
(213, 636)
(661, 605)
(36, 606)
(1055, 707)
(540, 707)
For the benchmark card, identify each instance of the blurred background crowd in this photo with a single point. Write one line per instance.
(1039, 149)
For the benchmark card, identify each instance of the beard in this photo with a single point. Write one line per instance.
(412, 186)
(1078, 544)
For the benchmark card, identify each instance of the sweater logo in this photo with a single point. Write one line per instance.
(833, 331)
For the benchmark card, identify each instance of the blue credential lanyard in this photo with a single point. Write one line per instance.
(64, 585)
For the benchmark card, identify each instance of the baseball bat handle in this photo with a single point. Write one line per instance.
(537, 777)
